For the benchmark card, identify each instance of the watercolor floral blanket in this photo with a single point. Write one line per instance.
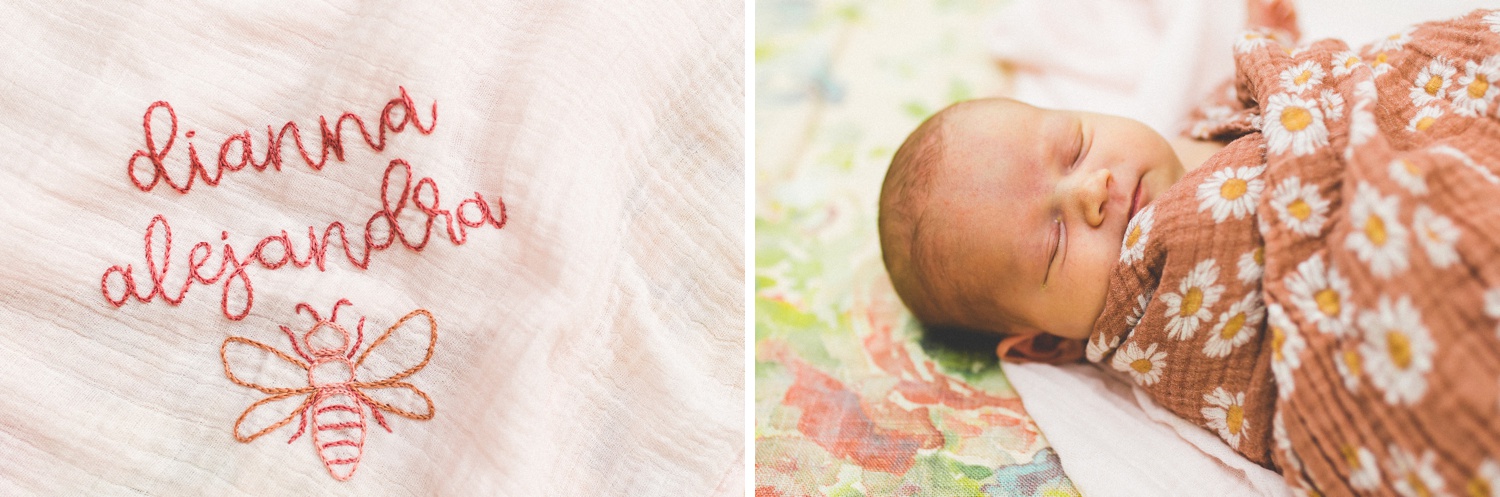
(1324, 293)
(850, 399)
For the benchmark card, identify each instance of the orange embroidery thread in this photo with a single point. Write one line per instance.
(335, 398)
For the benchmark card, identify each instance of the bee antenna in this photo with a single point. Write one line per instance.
(304, 307)
(336, 305)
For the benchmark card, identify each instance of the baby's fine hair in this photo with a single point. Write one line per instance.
(903, 217)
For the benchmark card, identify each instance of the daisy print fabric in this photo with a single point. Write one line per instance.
(1177, 303)
(1324, 293)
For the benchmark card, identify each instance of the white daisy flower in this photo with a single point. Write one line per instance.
(1432, 82)
(1398, 350)
(1144, 366)
(1212, 117)
(1486, 480)
(1141, 301)
(1344, 62)
(1293, 123)
(1252, 265)
(1351, 366)
(1492, 306)
(1286, 348)
(1225, 413)
(1332, 104)
(1413, 477)
(1250, 40)
(1301, 77)
(1100, 346)
(1364, 473)
(1284, 443)
(1493, 19)
(1231, 192)
(1137, 232)
(1236, 326)
(1361, 121)
(1379, 64)
(1409, 176)
(1299, 206)
(1467, 162)
(1189, 307)
(1476, 89)
(1378, 238)
(1424, 119)
(1322, 295)
(1437, 235)
(1394, 42)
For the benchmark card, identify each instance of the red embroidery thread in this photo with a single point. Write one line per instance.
(335, 405)
(272, 257)
(332, 139)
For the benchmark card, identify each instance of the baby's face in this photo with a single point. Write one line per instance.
(1035, 204)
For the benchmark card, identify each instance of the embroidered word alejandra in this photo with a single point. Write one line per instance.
(383, 229)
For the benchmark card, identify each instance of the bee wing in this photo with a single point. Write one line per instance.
(272, 371)
(399, 398)
(403, 349)
(267, 415)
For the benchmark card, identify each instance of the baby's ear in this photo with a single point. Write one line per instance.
(1030, 345)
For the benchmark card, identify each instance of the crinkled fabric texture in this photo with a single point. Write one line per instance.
(1322, 294)
(594, 345)
(850, 400)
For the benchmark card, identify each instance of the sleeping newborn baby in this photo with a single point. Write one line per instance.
(1322, 292)
(1002, 217)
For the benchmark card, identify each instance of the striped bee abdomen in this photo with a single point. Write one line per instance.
(338, 430)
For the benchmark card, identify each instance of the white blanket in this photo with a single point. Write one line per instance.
(593, 345)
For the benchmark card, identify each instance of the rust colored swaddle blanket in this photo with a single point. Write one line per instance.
(1324, 293)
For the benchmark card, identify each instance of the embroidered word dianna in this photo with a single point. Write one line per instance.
(382, 230)
(332, 140)
(324, 383)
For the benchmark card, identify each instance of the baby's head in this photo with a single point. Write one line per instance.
(1002, 217)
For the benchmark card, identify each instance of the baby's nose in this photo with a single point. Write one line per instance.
(1091, 194)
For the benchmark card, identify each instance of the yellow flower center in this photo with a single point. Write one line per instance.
(1417, 486)
(1399, 346)
(1301, 79)
(1233, 326)
(1351, 361)
(1191, 301)
(1394, 37)
(1278, 339)
(1434, 84)
(1328, 301)
(1380, 58)
(1411, 168)
(1141, 366)
(1233, 188)
(1375, 230)
(1350, 456)
(1480, 85)
(1350, 62)
(1478, 487)
(1295, 118)
(1260, 256)
(1135, 236)
(1299, 209)
(1235, 418)
(1424, 123)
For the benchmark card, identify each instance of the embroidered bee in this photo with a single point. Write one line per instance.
(323, 383)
